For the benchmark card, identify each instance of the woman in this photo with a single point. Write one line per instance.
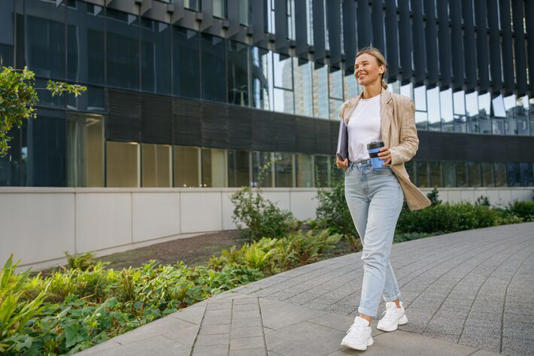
(375, 195)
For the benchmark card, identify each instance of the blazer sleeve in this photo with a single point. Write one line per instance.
(408, 140)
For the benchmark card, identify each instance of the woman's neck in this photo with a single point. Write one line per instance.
(372, 89)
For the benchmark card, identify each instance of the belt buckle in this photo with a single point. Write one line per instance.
(361, 163)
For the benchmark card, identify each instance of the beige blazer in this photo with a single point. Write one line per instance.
(400, 135)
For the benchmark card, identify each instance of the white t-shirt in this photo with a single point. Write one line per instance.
(363, 127)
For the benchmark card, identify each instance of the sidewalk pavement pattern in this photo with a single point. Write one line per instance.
(466, 293)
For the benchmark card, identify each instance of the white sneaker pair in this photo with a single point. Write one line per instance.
(392, 317)
(359, 334)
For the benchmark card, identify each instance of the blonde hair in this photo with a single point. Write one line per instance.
(379, 58)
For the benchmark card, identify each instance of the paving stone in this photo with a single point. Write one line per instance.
(517, 329)
(304, 339)
(484, 353)
(215, 350)
(488, 342)
(213, 330)
(191, 314)
(217, 339)
(249, 352)
(238, 332)
(514, 346)
(244, 343)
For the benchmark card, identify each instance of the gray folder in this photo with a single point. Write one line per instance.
(342, 141)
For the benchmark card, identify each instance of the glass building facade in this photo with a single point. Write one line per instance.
(166, 89)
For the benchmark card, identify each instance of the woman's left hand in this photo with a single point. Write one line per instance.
(385, 155)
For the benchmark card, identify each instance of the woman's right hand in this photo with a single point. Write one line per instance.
(342, 164)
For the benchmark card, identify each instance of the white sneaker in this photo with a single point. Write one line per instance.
(392, 317)
(359, 335)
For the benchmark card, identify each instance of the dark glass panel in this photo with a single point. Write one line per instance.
(213, 68)
(526, 174)
(513, 174)
(238, 73)
(422, 174)
(283, 169)
(122, 50)
(461, 174)
(487, 174)
(475, 179)
(155, 56)
(238, 168)
(500, 174)
(261, 169)
(186, 63)
(449, 173)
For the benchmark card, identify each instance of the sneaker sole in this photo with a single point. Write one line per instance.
(402, 321)
(361, 347)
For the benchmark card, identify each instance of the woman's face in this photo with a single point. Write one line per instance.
(367, 70)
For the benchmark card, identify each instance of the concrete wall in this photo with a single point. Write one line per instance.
(39, 224)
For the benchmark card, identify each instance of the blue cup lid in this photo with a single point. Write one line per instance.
(375, 144)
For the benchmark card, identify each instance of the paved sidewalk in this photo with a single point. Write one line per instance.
(466, 293)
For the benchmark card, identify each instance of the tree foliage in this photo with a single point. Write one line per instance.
(18, 98)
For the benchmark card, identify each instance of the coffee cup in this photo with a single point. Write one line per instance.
(373, 148)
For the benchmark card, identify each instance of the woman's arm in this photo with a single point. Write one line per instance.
(408, 141)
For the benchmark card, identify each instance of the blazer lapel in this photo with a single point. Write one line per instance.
(386, 115)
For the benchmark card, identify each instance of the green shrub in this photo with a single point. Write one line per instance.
(333, 212)
(522, 209)
(482, 200)
(446, 218)
(433, 196)
(260, 216)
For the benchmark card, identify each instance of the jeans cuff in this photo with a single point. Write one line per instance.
(387, 299)
(367, 312)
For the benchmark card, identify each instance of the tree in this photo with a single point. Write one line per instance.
(18, 99)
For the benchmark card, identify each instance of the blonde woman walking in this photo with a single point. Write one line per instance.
(375, 186)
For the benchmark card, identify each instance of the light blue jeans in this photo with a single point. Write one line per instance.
(374, 198)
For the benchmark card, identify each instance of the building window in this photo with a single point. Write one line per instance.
(320, 91)
(487, 174)
(434, 119)
(283, 83)
(122, 50)
(449, 173)
(302, 71)
(262, 81)
(192, 5)
(219, 9)
(186, 166)
(283, 168)
(500, 174)
(213, 68)
(513, 174)
(475, 179)
(322, 171)
(156, 165)
(238, 168)
(291, 20)
(45, 40)
(270, 16)
(244, 12)
(238, 86)
(446, 109)
(155, 56)
(350, 86)
(213, 167)
(309, 21)
(186, 63)
(86, 44)
(262, 169)
(122, 164)
(85, 150)
(421, 172)
(304, 170)
(435, 174)
(461, 174)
